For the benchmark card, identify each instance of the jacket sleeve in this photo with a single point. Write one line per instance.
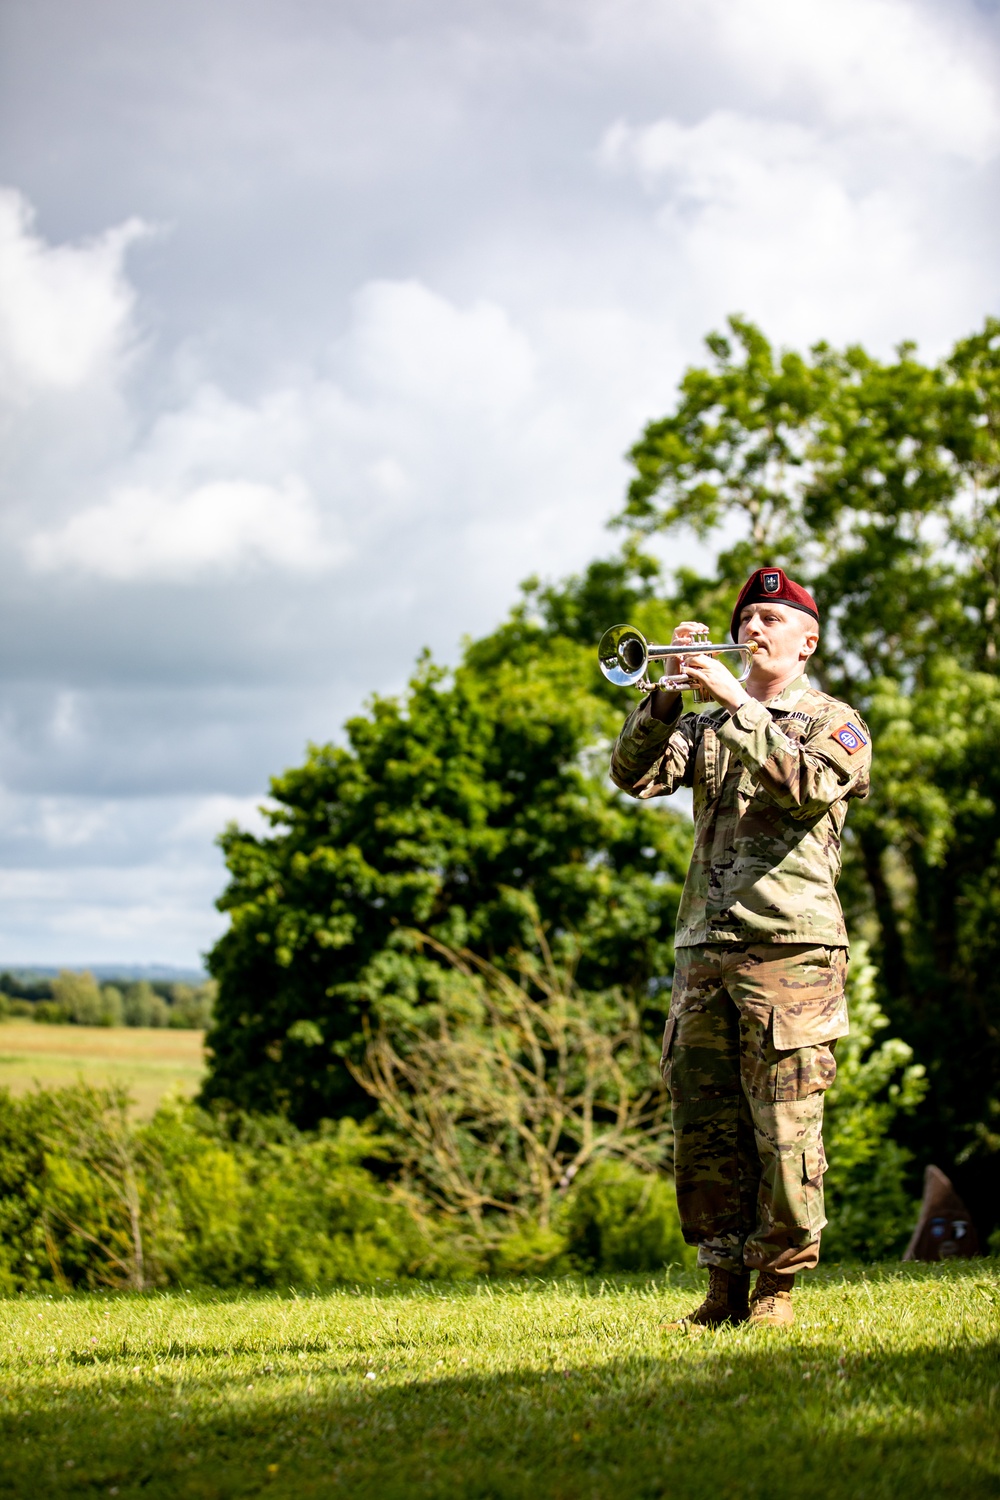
(832, 763)
(652, 758)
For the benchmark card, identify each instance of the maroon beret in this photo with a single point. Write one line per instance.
(772, 583)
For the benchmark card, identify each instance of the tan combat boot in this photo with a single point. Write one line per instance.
(771, 1304)
(727, 1301)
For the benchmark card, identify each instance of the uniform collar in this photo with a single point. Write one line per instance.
(790, 695)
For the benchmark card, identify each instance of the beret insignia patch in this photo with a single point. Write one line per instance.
(771, 582)
(850, 737)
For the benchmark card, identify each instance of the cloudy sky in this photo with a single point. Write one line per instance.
(324, 322)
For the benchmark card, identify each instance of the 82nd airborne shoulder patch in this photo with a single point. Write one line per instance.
(850, 737)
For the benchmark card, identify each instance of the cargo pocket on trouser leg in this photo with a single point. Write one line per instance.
(803, 1038)
(789, 1130)
(790, 1202)
(813, 1167)
(805, 1071)
(789, 1025)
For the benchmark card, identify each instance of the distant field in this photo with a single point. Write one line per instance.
(148, 1062)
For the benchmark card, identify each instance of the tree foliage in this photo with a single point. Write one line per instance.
(875, 481)
(461, 809)
(870, 1208)
(76, 999)
(878, 484)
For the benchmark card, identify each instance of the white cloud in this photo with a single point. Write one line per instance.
(806, 232)
(65, 727)
(201, 819)
(437, 428)
(100, 914)
(413, 344)
(65, 310)
(101, 879)
(868, 64)
(393, 354)
(223, 527)
(835, 199)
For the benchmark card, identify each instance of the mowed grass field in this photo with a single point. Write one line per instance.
(149, 1062)
(889, 1386)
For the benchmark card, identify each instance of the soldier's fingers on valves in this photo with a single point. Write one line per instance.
(699, 665)
(685, 630)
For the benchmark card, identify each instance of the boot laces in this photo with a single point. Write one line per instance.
(769, 1285)
(728, 1288)
(718, 1285)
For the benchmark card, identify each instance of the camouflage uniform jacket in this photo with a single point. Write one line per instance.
(771, 786)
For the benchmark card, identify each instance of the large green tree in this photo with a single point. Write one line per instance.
(878, 483)
(875, 481)
(444, 810)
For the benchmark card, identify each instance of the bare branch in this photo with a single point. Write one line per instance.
(497, 1107)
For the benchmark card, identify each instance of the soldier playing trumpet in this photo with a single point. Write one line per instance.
(761, 947)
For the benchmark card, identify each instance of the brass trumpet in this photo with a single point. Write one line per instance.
(624, 656)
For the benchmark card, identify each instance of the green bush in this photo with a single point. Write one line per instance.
(90, 1199)
(278, 1208)
(87, 1198)
(529, 1250)
(614, 1218)
(495, 1096)
(77, 999)
(24, 1261)
(620, 1219)
(190, 1007)
(142, 1006)
(870, 1208)
(8, 1006)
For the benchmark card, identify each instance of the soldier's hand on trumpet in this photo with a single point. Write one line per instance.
(703, 671)
(715, 681)
(662, 704)
(684, 634)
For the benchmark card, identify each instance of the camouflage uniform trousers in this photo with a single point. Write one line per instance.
(747, 1057)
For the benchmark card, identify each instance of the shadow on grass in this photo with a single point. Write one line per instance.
(731, 1414)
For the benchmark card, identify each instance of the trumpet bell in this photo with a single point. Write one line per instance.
(623, 655)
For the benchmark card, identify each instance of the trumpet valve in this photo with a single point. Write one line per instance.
(698, 694)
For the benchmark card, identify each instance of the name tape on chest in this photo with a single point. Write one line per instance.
(850, 736)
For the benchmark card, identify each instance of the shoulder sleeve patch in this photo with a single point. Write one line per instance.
(850, 737)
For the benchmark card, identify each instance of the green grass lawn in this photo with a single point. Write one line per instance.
(888, 1386)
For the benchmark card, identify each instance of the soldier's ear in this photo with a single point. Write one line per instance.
(810, 639)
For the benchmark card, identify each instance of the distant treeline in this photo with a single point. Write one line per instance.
(76, 999)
